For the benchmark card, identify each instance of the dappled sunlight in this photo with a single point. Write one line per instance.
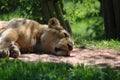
(102, 58)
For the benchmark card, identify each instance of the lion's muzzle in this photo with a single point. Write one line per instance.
(70, 46)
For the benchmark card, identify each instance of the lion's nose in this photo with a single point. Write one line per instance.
(70, 45)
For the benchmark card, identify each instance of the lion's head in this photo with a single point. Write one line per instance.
(56, 40)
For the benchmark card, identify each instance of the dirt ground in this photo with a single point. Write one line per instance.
(100, 57)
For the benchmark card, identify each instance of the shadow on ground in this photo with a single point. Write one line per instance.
(103, 58)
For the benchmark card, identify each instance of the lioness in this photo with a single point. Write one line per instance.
(22, 35)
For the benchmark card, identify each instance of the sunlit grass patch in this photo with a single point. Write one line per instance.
(18, 70)
(89, 42)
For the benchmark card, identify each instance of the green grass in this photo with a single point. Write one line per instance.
(10, 16)
(82, 37)
(17, 70)
(89, 42)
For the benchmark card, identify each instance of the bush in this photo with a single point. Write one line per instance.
(86, 12)
(27, 8)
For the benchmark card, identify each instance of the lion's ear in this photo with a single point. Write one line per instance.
(54, 23)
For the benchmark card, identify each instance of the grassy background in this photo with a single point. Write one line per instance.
(87, 25)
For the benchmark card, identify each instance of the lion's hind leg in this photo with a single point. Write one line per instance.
(6, 38)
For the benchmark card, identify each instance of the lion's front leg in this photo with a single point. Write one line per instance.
(6, 39)
(14, 50)
(4, 53)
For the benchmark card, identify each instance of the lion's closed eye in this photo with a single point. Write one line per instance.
(66, 34)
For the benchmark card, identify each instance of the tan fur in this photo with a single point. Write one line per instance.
(34, 37)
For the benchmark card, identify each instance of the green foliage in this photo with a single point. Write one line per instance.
(86, 13)
(79, 9)
(25, 8)
(7, 6)
(18, 70)
(11, 15)
(95, 28)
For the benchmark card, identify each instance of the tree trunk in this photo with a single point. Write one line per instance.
(54, 8)
(111, 13)
(116, 4)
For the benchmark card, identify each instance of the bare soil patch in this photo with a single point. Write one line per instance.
(103, 58)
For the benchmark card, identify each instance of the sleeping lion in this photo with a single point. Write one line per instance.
(22, 35)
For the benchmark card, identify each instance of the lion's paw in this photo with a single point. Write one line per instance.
(4, 53)
(14, 50)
